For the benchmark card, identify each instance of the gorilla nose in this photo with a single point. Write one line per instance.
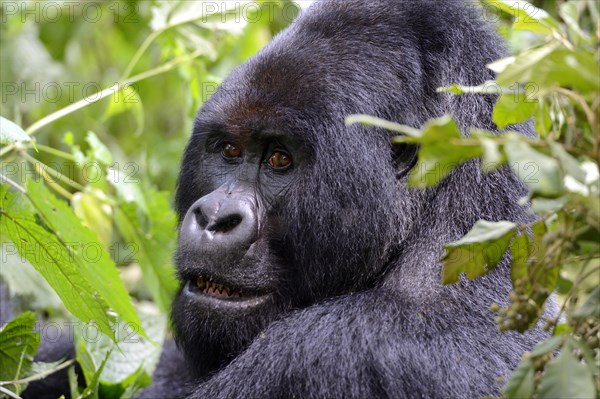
(220, 220)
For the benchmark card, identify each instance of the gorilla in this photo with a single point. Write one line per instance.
(308, 267)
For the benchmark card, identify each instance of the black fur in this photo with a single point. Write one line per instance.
(349, 253)
(359, 310)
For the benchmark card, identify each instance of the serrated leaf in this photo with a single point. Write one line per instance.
(68, 255)
(53, 260)
(18, 344)
(478, 252)
(566, 377)
(11, 133)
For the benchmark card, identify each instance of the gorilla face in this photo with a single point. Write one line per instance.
(281, 205)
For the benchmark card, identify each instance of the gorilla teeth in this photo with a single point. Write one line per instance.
(218, 290)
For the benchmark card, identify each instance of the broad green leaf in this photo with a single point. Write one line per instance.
(53, 258)
(90, 256)
(154, 242)
(521, 384)
(435, 161)
(10, 132)
(94, 213)
(539, 172)
(527, 16)
(18, 344)
(519, 68)
(134, 354)
(478, 252)
(513, 108)
(68, 255)
(569, 13)
(549, 66)
(566, 377)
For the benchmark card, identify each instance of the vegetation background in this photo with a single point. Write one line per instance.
(98, 100)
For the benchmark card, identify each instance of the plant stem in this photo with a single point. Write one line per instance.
(108, 91)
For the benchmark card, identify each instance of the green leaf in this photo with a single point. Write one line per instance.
(98, 150)
(519, 251)
(94, 213)
(527, 16)
(153, 242)
(513, 108)
(566, 377)
(520, 68)
(53, 259)
(478, 252)
(569, 12)
(91, 368)
(543, 122)
(11, 133)
(539, 172)
(521, 384)
(591, 307)
(132, 356)
(126, 100)
(492, 157)
(435, 162)
(550, 66)
(68, 255)
(569, 165)
(547, 346)
(18, 344)
(95, 263)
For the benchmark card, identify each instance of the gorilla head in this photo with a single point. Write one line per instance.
(283, 207)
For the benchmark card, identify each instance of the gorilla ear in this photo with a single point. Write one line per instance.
(404, 157)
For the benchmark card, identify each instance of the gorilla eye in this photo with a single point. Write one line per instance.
(279, 160)
(231, 151)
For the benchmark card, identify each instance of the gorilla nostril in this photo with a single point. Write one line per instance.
(226, 224)
(201, 219)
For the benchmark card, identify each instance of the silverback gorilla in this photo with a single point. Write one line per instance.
(308, 268)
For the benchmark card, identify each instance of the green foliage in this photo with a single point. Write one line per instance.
(97, 107)
(557, 80)
(18, 344)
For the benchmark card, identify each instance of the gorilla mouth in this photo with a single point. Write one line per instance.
(212, 294)
(218, 290)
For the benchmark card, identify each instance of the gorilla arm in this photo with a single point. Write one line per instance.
(368, 344)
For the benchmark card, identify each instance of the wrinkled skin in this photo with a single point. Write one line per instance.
(331, 263)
